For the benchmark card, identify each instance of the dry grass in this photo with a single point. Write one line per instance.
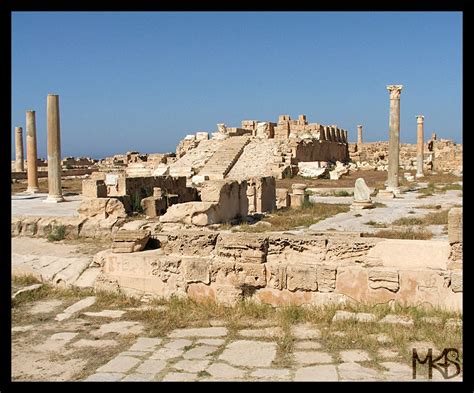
(435, 218)
(373, 179)
(289, 218)
(408, 221)
(408, 233)
(376, 224)
(68, 186)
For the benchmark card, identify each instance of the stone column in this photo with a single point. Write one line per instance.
(31, 152)
(419, 146)
(359, 137)
(54, 150)
(322, 133)
(19, 167)
(394, 137)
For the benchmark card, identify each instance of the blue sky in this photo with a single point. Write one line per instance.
(142, 81)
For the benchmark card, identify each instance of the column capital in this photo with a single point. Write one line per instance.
(395, 91)
(420, 118)
(359, 126)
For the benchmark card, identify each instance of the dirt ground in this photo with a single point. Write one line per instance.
(68, 185)
(372, 179)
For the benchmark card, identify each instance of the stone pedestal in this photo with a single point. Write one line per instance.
(31, 153)
(298, 196)
(394, 137)
(54, 151)
(419, 146)
(19, 165)
(362, 198)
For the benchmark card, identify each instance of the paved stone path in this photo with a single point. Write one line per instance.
(190, 355)
(395, 209)
(33, 205)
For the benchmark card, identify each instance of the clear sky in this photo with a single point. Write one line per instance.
(143, 80)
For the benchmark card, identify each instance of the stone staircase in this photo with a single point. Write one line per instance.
(225, 157)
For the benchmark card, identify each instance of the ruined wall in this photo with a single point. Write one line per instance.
(439, 155)
(281, 269)
(316, 150)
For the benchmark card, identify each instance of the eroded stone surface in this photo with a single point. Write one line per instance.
(324, 372)
(119, 364)
(313, 357)
(224, 371)
(354, 355)
(121, 327)
(248, 353)
(199, 332)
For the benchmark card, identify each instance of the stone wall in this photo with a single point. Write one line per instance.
(281, 269)
(439, 155)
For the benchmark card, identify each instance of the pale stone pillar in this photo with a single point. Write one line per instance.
(346, 136)
(19, 166)
(54, 150)
(359, 137)
(31, 152)
(419, 146)
(394, 137)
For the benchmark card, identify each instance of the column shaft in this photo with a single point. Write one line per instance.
(54, 150)
(31, 152)
(19, 165)
(419, 146)
(394, 137)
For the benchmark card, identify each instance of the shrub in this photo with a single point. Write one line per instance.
(58, 233)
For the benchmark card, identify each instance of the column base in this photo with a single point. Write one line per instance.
(54, 199)
(418, 175)
(32, 190)
(395, 190)
(359, 205)
(385, 194)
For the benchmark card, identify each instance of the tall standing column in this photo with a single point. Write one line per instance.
(394, 137)
(31, 152)
(54, 150)
(359, 137)
(19, 149)
(419, 146)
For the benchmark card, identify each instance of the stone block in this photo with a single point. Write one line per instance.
(383, 278)
(326, 276)
(302, 277)
(94, 188)
(251, 274)
(197, 270)
(282, 198)
(455, 225)
(456, 281)
(130, 241)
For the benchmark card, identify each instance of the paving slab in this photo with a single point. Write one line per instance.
(179, 377)
(104, 377)
(312, 357)
(145, 344)
(193, 366)
(151, 366)
(119, 364)
(199, 352)
(271, 374)
(354, 355)
(105, 314)
(166, 353)
(120, 327)
(224, 371)
(249, 353)
(352, 371)
(316, 373)
(199, 332)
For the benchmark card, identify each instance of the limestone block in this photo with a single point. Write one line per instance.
(197, 213)
(282, 198)
(202, 136)
(190, 243)
(130, 241)
(276, 275)
(455, 225)
(251, 274)
(243, 247)
(312, 170)
(153, 206)
(197, 270)
(326, 276)
(456, 281)
(94, 188)
(302, 277)
(102, 208)
(383, 278)
(161, 170)
(228, 295)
